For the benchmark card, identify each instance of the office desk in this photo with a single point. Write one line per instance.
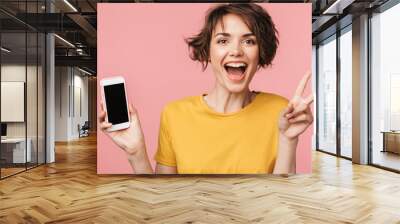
(391, 141)
(16, 147)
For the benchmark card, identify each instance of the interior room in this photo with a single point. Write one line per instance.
(49, 126)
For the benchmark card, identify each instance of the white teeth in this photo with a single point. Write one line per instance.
(236, 65)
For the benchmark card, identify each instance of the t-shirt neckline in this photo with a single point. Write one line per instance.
(212, 111)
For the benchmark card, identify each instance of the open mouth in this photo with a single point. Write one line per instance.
(236, 70)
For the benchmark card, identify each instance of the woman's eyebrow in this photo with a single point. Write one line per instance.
(248, 34)
(223, 34)
(227, 34)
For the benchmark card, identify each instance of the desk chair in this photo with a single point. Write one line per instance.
(84, 130)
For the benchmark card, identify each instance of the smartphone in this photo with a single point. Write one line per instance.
(116, 102)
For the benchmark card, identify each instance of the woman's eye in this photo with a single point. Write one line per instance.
(250, 42)
(222, 41)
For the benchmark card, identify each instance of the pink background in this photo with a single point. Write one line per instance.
(145, 44)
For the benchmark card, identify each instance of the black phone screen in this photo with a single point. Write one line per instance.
(116, 103)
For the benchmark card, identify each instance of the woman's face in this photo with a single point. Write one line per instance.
(234, 54)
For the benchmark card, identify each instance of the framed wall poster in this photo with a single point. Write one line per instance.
(165, 81)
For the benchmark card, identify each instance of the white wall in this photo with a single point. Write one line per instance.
(71, 87)
(62, 78)
(80, 83)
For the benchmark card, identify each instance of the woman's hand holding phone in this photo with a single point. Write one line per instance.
(131, 139)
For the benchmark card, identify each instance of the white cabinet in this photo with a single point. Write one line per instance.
(18, 149)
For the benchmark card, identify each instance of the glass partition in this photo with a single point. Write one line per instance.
(22, 88)
(13, 95)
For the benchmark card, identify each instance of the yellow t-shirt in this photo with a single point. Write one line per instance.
(199, 140)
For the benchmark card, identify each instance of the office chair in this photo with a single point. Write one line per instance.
(84, 130)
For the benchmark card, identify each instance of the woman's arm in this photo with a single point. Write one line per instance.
(162, 169)
(130, 140)
(293, 121)
(286, 159)
(140, 162)
(141, 165)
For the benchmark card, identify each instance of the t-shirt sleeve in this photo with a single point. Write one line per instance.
(165, 153)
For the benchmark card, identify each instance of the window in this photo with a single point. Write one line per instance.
(327, 95)
(346, 92)
(385, 89)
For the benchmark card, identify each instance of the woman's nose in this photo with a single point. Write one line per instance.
(236, 50)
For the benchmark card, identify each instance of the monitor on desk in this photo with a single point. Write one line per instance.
(3, 130)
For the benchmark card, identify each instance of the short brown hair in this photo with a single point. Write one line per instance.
(255, 17)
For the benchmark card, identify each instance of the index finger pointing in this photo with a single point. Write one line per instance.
(309, 100)
(302, 84)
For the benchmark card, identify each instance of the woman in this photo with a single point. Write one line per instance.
(230, 129)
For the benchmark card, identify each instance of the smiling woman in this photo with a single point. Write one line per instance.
(230, 129)
(234, 53)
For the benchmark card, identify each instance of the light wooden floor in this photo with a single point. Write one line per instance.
(388, 159)
(10, 171)
(70, 191)
(5, 172)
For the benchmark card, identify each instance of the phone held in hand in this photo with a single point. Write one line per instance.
(114, 96)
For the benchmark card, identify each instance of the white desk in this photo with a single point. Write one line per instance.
(18, 149)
